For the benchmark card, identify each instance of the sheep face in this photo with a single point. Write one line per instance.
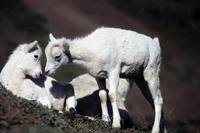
(56, 54)
(29, 59)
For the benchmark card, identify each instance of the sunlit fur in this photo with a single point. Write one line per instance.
(113, 53)
(21, 63)
(22, 75)
(49, 92)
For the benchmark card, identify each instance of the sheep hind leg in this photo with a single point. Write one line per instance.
(126, 120)
(149, 85)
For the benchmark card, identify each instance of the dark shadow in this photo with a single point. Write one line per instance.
(58, 90)
(87, 106)
(143, 86)
(61, 91)
(38, 81)
(91, 106)
(126, 120)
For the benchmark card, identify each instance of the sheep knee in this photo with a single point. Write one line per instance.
(158, 99)
(103, 95)
(104, 108)
(112, 96)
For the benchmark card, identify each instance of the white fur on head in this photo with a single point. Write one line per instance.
(55, 54)
(25, 60)
(27, 47)
(30, 59)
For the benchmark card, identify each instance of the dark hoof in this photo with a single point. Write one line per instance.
(72, 111)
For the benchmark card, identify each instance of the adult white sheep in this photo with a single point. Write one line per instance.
(22, 75)
(113, 53)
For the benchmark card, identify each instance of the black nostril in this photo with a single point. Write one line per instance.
(47, 72)
(40, 75)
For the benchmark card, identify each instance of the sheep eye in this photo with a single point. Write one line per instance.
(36, 56)
(58, 58)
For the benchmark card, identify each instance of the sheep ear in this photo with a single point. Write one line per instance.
(34, 43)
(51, 37)
(32, 46)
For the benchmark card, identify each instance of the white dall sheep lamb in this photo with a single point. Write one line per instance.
(113, 53)
(22, 75)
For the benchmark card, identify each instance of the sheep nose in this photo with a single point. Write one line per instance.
(47, 72)
(40, 75)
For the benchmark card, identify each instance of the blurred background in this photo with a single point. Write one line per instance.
(175, 22)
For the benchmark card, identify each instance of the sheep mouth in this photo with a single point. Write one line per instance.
(38, 81)
(38, 77)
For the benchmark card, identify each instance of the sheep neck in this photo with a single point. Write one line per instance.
(11, 75)
(78, 51)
